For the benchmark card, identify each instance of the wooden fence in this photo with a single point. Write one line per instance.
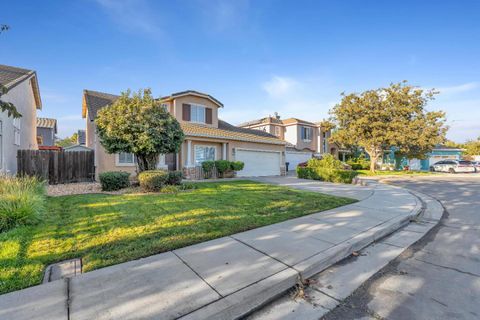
(57, 166)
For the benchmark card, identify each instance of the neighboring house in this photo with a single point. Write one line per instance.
(81, 137)
(46, 131)
(304, 139)
(76, 147)
(206, 138)
(439, 153)
(21, 133)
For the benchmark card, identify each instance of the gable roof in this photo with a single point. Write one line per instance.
(194, 93)
(274, 120)
(229, 132)
(297, 121)
(94, 101)
(12, 76)
(47, 123)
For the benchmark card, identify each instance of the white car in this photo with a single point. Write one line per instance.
(453, 166)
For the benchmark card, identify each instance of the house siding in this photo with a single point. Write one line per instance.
(23, 98)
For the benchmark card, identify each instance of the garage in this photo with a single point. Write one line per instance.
(295, 157)
(258, 162)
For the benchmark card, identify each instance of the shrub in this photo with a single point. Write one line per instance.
(207, 166)
(188, 186)
(237, 165)
(114, 180)
(153, 180)
(327, 161)
(222, 166)
(22, 201)
(174, 178)
(327, 174)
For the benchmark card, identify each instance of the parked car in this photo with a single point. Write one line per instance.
(476, 164)
(453, 166)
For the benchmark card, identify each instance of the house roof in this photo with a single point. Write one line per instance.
(195, 93)
(94, 101)
(274, 120)
(229, 132)
(12, 76)
(47, 123)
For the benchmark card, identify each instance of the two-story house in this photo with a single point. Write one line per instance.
(206, 138)
(20, 133)
(46, 132)
(304, 139)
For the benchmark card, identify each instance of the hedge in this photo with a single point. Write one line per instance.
(326, 174)
(153, 180)
(114, 180)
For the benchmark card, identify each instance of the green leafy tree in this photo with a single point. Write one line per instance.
(380, 119)
(136, 123)
(472, 147)
(7, 106)
(68, 141)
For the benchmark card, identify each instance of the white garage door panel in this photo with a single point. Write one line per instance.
(258, 163)
(294, 158)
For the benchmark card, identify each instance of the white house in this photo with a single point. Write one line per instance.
(21, 133)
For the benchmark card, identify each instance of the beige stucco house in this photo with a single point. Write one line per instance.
(20, 133)
(206, 138)
(304, 139)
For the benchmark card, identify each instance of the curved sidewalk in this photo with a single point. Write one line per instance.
(227, 277)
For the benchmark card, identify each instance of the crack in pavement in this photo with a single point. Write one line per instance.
(449, 268)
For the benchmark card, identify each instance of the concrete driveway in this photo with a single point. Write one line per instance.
(439, 277)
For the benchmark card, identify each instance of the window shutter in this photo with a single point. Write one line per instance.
(208, 115)
(186, 112)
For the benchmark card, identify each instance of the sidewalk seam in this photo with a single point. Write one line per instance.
(198, 275)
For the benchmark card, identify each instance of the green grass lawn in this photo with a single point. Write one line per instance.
(392, 173)
(109, 229)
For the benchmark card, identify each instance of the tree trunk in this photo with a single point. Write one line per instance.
(147, 161)
(373, 159)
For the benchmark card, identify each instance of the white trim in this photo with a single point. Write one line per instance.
(118, 164)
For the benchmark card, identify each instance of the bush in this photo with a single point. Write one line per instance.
(327, 161)
(153, 180)
(174, 178)
(207, 166)
(237, 165)
(222, 166)
(188, 186)
(114, 180)
(22, 201)
(170, 189)
(327, 174)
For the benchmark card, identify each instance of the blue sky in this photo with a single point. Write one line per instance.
(257, 57)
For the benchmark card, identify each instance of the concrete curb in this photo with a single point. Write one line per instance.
(335, 282)
(254, 297)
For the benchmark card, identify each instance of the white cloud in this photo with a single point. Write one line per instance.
(278, 87)
(459, 88)
(132, 15)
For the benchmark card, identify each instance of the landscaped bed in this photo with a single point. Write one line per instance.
(104, 229)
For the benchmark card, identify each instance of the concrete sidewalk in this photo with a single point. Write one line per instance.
(227, 277)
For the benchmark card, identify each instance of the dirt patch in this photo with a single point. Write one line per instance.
(83, 188)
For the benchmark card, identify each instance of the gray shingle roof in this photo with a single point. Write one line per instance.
(10, 76)
(47, 123)
(95, 100)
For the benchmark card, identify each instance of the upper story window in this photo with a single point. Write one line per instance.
(197, 113)
(277, 131)
(306, 133)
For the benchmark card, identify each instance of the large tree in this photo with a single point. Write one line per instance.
(472, 147)
(137, 123)
(385, 118)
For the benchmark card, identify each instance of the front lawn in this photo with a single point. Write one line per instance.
(109, 229)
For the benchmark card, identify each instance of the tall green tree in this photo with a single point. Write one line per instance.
(136, 123)
(380, 119)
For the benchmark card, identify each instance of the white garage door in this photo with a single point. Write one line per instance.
(294, 158)
(258, 163)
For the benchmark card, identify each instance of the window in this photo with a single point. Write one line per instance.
(197, 113)
(277, 131)
(204, 153)
(125, 159)
(324, 142)
(165, 106)
(16, 131)
(306, 133)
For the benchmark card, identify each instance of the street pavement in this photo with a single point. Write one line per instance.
(439, 276)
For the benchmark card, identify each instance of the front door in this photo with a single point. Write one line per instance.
(171, 161)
